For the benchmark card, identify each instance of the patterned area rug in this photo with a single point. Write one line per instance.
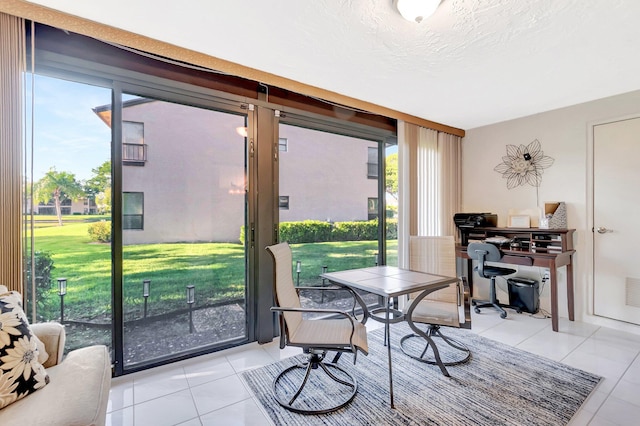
(500, 385)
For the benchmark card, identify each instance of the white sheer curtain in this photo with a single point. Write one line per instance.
(428, 182)
(12, 65)
(429, 190)
(450, 183)
(430, 173)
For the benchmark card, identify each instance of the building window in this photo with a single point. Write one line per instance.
(133, 210)
(134, 150)
(283, 202)
(372, 208)
(372, 163)
(283, 144)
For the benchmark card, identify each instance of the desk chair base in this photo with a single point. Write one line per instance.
(454, 353)
(496, 305)
(314, 363)
(493, 301)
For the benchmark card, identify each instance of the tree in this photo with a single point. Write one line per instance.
(391, 174)
(99, 187)
(57, 185)
(103, 201)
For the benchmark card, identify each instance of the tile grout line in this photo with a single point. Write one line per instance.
(610, 394)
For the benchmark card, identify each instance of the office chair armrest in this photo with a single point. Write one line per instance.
(356, 299)
(464, 291)
(283, 331)
(321, 288)
(281, 310)
(312, 310)
(465, 294)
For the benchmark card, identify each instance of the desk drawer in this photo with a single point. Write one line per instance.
(517, 260)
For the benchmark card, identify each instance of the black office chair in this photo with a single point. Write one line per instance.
(483, 253)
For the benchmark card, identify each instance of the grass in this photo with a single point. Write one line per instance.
(43, 221)
(85, 265)
(216, 269)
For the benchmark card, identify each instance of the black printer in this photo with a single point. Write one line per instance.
(475, 220)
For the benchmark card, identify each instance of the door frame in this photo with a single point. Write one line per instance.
(182, 96)
(66, 65)
(590, 207)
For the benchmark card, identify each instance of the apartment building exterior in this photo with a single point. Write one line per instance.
(184, 175)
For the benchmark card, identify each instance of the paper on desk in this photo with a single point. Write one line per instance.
(497, 240)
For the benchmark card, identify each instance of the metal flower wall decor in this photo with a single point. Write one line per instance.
(524, 165)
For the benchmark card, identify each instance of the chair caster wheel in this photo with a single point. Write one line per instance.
(519, 311)
(477, 310)
(503, 315)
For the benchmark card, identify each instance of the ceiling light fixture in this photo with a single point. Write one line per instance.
(242, 131)
(416, 10)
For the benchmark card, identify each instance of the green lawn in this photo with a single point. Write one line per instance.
(216, 270)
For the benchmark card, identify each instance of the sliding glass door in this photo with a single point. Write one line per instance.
(183, 211)
(67, 210)
(149, 203)
(330, 206)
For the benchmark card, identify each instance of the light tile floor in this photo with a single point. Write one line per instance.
(208, 390)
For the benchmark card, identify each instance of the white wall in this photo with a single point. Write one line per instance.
(563, 134)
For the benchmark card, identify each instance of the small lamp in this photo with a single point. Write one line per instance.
(191, 294)
(62, 290)
(324, 282)
(191, 298)
(146, 287)
(62, 286)
(298, 270)
(376, 259)
(416, 10)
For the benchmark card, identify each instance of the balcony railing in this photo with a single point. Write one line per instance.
(134, 154)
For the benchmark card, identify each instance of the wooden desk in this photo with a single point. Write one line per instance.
(546, 248)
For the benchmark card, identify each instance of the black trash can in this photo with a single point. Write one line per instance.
(523, 294)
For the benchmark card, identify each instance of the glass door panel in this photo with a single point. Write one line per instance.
(67, 221)
(391, 207)
(328, 194)
(183, 208)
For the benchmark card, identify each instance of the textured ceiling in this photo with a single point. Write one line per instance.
(474, 62)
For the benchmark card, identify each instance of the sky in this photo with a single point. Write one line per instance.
(68, 135)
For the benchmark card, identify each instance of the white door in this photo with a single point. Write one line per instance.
(616, 235)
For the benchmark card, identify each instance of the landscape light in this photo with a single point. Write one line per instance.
(191, 298)
(62, 286)
(62, 290)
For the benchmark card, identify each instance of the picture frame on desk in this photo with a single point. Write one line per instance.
(519, 221)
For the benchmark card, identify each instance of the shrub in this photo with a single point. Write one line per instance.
(100, 231)
(315, 231)
(242, 234)
(306, 231)
(43, 269)
(392, 229)
(355, 231)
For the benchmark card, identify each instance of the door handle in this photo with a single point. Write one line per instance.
(603, 230)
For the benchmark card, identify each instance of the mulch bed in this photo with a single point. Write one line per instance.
(155, 338)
